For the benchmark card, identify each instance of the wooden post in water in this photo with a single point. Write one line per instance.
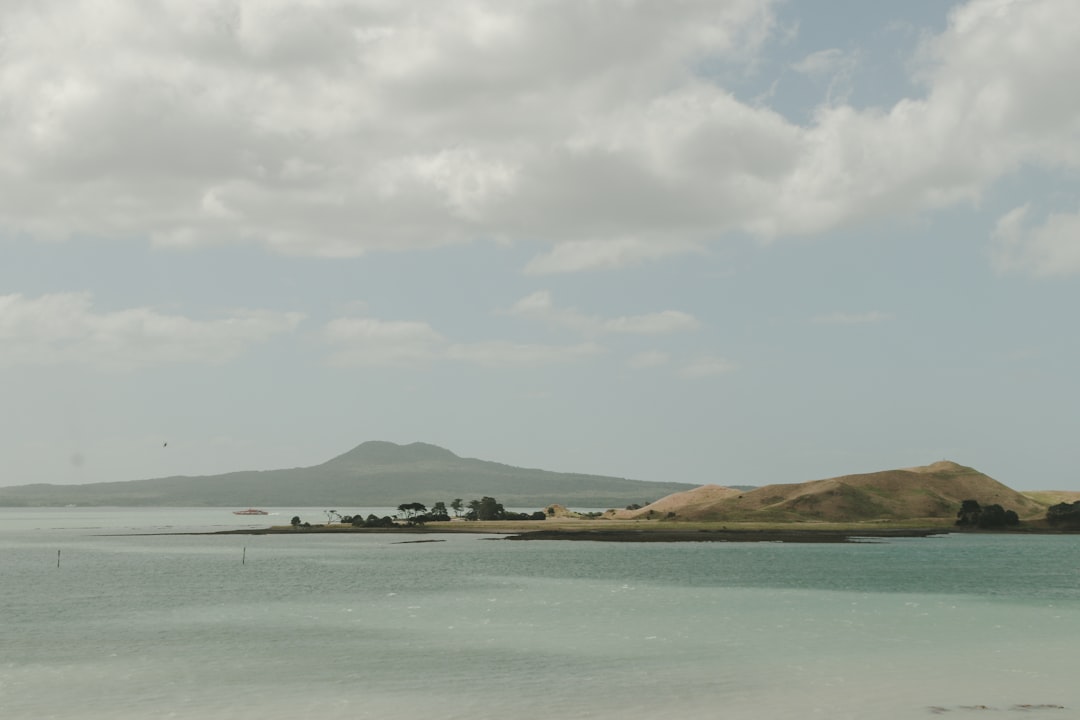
(57, 558)
(243, 558)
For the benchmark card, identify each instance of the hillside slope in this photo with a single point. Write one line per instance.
(931, 491)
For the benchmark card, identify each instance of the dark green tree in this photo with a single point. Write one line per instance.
(985, 516)
(489, 509)
(457, 506)
(992, 516)
(1064, 514)
(969, 513)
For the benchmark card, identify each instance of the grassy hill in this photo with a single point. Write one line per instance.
(373, 474)
(1053, 497)
(932, 491)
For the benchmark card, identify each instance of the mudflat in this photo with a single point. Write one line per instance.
(701, 535)
(634, 531)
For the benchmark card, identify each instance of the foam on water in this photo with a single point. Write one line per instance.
(364, 626)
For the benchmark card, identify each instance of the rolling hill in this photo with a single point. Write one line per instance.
(931, 491)
(373, 474)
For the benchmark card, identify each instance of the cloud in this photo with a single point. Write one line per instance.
(64, 329)
(540, 305)
(707, 366)
(820, 63)
(1052, 248)
(320, 128)
(840, 318)
(657, 323)
(577, 256)
(370, 342)
(834, 65)
(648, 359)
(343, 127)
(502, 354)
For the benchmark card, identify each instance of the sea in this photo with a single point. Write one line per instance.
(112, 614)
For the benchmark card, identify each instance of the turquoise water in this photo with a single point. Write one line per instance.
(375, 626)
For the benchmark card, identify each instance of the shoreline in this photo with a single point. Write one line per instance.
(624, 534)
(637, 531)
(699, 535)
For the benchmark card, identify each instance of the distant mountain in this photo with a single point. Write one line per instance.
(931, 491)
(373, 474)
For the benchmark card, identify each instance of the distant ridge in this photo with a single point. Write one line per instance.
(380, 452)
(928, 491)
(372, 474)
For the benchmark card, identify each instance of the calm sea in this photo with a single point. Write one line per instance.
(380, 626)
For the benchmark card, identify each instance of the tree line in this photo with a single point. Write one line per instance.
(486, 508)
(972, 514)
(415, 513)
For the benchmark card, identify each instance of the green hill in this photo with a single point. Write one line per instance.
(373, 474)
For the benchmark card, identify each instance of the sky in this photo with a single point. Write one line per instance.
(727, 241)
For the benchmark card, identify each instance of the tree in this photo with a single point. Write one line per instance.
(986, 516)
(457, 506)
(489, 509)
(296, 522)
(332, 516)
(374, 521)
(969, 514)
(411, 509)
(1066, 514)
(992, 516)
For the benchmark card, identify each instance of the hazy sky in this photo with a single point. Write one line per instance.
(723, 241)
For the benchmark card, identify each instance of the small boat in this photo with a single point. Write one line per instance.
(250, 511)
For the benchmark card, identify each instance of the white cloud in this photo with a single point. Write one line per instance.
(841, 318)
(466, 182)
(338, 127)
(648, 359)
(372, 342)
(368, 342)
(834, 65)
(579, 255)
(707, 366)
(822, 62)
(65, 329)
(321, 128)
(656, 323)
(540, 305)
(500, 354)
(1052, 248)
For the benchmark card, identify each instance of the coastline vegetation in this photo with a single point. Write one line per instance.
(488, 516)
(416, 514)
